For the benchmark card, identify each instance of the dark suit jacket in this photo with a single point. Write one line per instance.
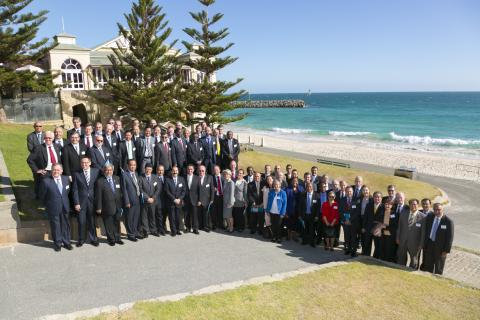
(444, 236)
(369, 218)
(114, 145)
(83, 193)
(195, 152)
(123, 154)
(163, 157)
(191, 194)
(141, 147)
(129, 190)
(315, 205)
(344, 209)
(71, 131)
(150, 190)
(173, 192)
(105, 199)
(38, 159)
(161, 193)
(253, 196)
(215, 183)
(55, 203)
(61, 144)
(97, 160)
(209, 149)
(179, 153)
(206, 192)
(71, 159)
(92, 140)
(226, 153)
(356, 195)
(32, 141)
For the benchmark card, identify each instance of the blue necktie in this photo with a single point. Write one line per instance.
(59, 185)
(110, 181)
(309, 205)
(433, 233)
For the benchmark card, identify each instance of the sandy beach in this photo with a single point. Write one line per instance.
(434, 162)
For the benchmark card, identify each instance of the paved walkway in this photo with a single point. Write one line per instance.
(461, 193)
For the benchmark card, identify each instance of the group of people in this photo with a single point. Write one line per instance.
(143, 177)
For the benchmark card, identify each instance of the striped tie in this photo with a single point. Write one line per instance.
(87, 177)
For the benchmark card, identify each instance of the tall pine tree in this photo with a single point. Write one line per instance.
(18, 48)
(146, 74)
(209, 96)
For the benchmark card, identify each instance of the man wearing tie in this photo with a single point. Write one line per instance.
(255, 201)
(100, 154)
(309, 209)
(217, 212)
(230, 150)
(42, 159)
(99, 129)
(206, 194)
(108, 203)
(71, 155)
(36, 137)
(195, 152)
(426, 206)
(391, 193)
(163, 154)
(83, 201)
(209, 151)
(410, 235)
(191, 201)
(371, 216)
(150, 187)
(400, 208)
(54, 194)
(126, 150)
(110, 141)
(145, 150)
(59, 141)
(87, 137)
(179, 152)
(175, 190)
(357, 188)
(438, 240)
(77, 127)
(161, 211)
(118, 130)
(132, 200)
(349, 218)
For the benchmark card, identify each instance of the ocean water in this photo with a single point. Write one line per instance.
(427, 120)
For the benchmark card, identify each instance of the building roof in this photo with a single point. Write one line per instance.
(65, 35)
(64, 46)
(100, 58)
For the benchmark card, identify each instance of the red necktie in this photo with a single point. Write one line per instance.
(181, 143)
(165, 147)
(88, 141)
(219, 184)
(53, 160)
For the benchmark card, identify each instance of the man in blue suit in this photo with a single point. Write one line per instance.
(54, 192)
(83, 195)
(209, 151)
(175, 190)
(131, 198)
(100, 154)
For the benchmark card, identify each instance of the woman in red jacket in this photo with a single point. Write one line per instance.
(330, 218)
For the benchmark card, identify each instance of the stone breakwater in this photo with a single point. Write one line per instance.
(270, 104)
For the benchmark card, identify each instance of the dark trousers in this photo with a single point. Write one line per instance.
(376, 250)
(256, 221)
(432, 259)
(204, 222)
(308, 234)
(160, 218)
(60, 227)
(350, 237)
(174, 216)
(148, 222)
(217, 212)
(210, 165)
(238, 218)
(191, 217)
(367, 243)
(112, 227)
(276, 220)
(388, 248)
(132, 217)
(87, 226)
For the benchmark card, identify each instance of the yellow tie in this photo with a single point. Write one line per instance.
(375, 209)
(218, 147)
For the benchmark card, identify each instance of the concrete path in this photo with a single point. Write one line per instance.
(462, 194)
(37, 281)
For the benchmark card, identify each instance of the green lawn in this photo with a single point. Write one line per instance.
(376, 181)
(353, 291)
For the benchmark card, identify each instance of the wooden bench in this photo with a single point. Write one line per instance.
(334, 163)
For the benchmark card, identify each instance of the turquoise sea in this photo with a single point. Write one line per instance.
(427, 119)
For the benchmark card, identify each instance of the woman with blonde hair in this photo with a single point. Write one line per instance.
(228, 198)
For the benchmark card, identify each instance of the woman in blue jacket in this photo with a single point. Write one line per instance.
(276, 207)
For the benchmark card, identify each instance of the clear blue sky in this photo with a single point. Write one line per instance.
(325, 46)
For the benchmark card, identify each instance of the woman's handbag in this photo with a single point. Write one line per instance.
(377, 229)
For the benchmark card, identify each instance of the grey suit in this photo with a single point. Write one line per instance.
(228, 198)
(410, 237)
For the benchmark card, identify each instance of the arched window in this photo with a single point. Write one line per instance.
(72, 75)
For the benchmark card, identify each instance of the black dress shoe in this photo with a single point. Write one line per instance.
(57, 248)
(68, 247)
(207, 230)
(162, 233)
(187, 230)
(79, 244)
(347, 252)
(312, 245)
(145, 236)
(273, 240)
(173, 234)
(139, 237)
(179, 233)
(196, 232)
(132, 239)
(252, 231)
(94, 243)
(120, 242)
(279, 241)
(111, 244)
(156, 234)
(353, 255)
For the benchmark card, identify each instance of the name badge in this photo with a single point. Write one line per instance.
(418, 225)
(207, 186)
(134, 149)
(117, 186)
(314, 201)
(354, 206)
(335, 207)
(83, 152)
(107, 154)
(235, 145)
(201, 148)
(114, 144)
(214, 142)
(392, 216)
(153, 144)
(155, 184)
(443, 226)
(180, 185)
(67, 187)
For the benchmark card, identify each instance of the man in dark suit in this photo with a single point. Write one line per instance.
(217, 212)
(110, 141)
(255, 202)
(77, 127)
(175, 190)
(400, 208)
(163, 154)
(108, 203)
(87, 138)
(191, 200)
(161, 212)
(100, 154)
(146, 150)
(349, 215)
(118, 131)
(126, 150)
(357, 188)
(206, 194)
(195, 152)
(54, 194)
(373, 211)
(209, 158)
(230, 149)
(427, 206)
(36, 137)
(179, 152)
(438, 240)
(98, 129)
(309, 210)
(42, 158)
(391, 194)
(71, 155)
(58, 140)
(83, 200)
(150, 187)
(132, 200)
